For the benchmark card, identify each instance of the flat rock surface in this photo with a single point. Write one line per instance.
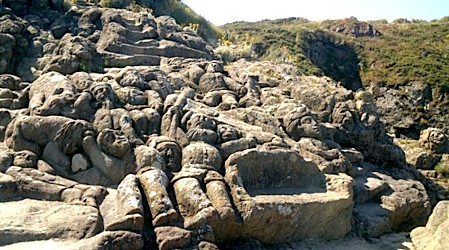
(28, 220)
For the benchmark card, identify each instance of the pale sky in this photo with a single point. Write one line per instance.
(225, 11)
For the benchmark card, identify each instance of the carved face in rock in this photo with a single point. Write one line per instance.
(132, 95)
(301, 123)
(343, 116)
(200, 121)
(133, 79)
(227, 132)
(113, 142)
(201, 128)
(25, 159)
(438, 141)
(102, 91)
(171, 152)
(59, 99)
(69, 137)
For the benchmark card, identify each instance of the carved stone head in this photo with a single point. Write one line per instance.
(102, 91)
(25, 159)
(70, 136)
(132, 95)
(113, 142)
(435, 140)
(300, 122)
(200, 128)
(169, 150)
(227, 132)
(343, 117)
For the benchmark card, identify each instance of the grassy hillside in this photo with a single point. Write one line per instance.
(401, 52)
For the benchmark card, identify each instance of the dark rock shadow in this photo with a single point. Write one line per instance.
(336, 59)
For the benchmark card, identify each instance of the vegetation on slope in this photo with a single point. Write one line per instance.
(184, 15)
(403, 51)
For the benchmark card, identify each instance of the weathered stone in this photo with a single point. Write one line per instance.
(280, 198)
(367, 189)
(154, 184)
(289, 141)
(27, 220)
(435, 140)
(404, 205)
(114, 240)
(6, 159)
(79, 163)
(34, 132)
(129, 197)
(8, 187)
(172, 237)
(434, 234)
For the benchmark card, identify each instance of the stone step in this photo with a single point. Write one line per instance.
(121, 61)
(141, 35)
(173, 50)
(131, 24)
(147, 43)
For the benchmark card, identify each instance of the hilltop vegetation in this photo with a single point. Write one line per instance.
(392, 54)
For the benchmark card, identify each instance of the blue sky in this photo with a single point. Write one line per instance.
(225, 11)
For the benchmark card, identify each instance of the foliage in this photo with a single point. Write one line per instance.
(441, 170)
(231, 51)
(185, 15)
(112, 3)
(407, 51)
(68, 3)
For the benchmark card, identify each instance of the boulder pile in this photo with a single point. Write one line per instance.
(124, 131)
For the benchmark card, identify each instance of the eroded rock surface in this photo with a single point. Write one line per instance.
(129, 124)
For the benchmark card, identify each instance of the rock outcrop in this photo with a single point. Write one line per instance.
(434, 234)
(130, 125)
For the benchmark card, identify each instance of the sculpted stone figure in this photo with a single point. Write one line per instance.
(146, 122)
(366, 108)
(200, 128)
(109, 116)
(326, 154)
(252, 97)
(25, 159)
(223, 99)
(300, 123)
(350, 131)
(155, 178)
(111, 156)
(170, 151)
(232, 141)
(435, 140)
(52, 94)
(34, 132)
(200, 189)
(171, 120)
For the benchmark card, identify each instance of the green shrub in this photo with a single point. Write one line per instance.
(112, 3)
(185, 15)
(232, 51)
(441, 170)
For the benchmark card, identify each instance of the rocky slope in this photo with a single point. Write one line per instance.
(121, 130)
(405, 62)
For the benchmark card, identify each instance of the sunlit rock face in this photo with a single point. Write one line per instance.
(131, 125)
